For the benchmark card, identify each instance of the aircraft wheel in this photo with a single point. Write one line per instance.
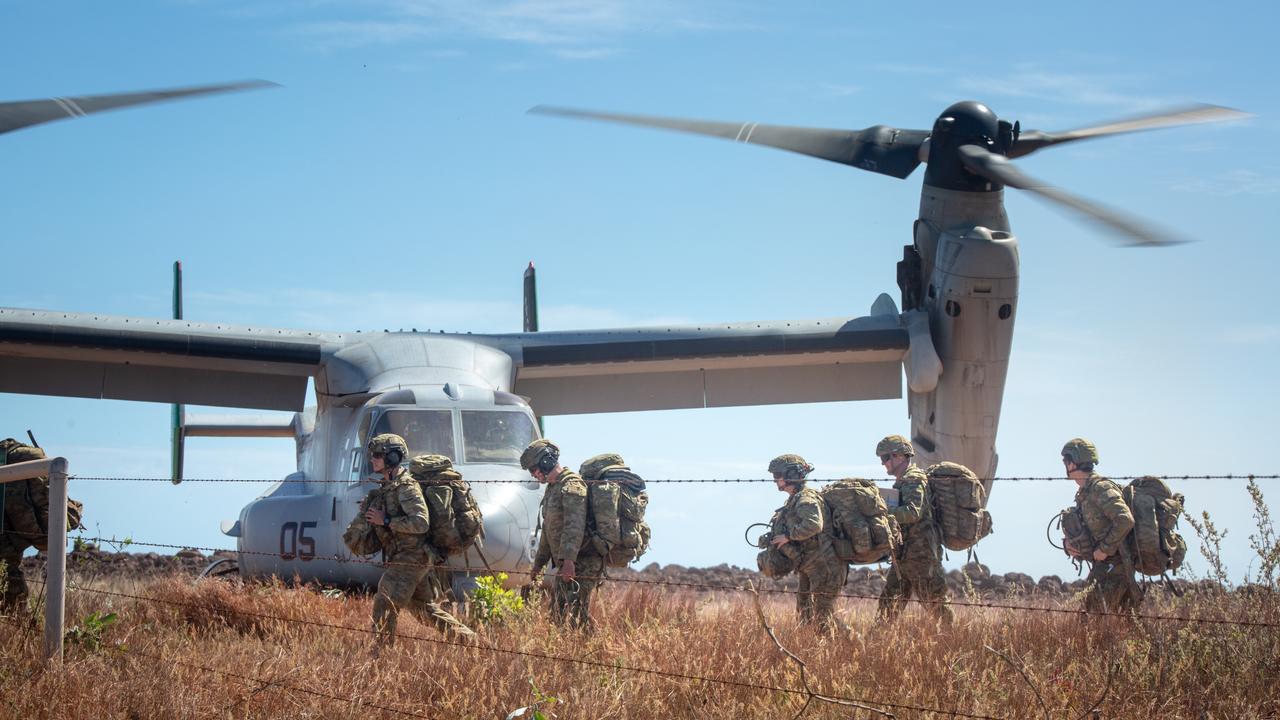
(221, 568)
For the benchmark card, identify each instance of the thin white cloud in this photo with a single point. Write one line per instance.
(364, 310)
(569, 29)
(1254, 334)
(352, 34)
(909, 68)
(1069, 88)
(1233, 182)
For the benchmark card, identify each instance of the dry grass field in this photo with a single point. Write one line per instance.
(218, 649)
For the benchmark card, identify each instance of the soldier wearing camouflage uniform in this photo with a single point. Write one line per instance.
(398, 515)
(562, 541)
(801, 530)
(916, 569)
(24, 507)
(1111, 584)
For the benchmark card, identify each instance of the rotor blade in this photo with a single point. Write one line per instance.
(1032, 140)
(997, 168)
(25, 113)
(880, 149)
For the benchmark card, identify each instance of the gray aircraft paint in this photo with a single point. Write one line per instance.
(953, 340)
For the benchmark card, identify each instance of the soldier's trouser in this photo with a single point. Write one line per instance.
(15, 585)
(918, 577)
(571, 599)
(416, 588)
(1112, 587)
(820, 581)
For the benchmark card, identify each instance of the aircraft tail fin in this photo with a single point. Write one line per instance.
(177, 430)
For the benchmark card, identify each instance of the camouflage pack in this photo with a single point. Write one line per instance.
(959, 505)
(1157, 546)
(1075, 534)
(862, 529)
(360, 537)
(456, 521)
(24, 505)
(617, 499)
(773, 563)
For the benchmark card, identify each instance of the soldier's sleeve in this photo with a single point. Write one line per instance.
(910, 509)
(574, 501)
(416, 520)
(806, 518)
(1112, 503)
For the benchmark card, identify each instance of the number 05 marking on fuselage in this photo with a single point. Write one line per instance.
(294, 542)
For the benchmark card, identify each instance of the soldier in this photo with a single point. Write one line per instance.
(917, 567)
(801, 531)
(562, 542)
(398, 514)
(24, 521)
(1111, 585)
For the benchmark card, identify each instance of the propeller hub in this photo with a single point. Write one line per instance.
(964, 123)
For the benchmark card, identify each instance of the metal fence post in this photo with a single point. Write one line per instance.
(56, 562)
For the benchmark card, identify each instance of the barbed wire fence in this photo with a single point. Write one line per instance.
(709, 587)
(616, 666)
(526, 481)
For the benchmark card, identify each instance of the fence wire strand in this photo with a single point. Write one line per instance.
(530, 481)
(473, 570)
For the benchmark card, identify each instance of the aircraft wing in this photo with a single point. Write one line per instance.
(722, 365)
(173, 361)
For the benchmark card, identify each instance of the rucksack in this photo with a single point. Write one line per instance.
(456, 520)
(959, 505)
(862, 530)
(24, 505)
(616, 524)
(1157, 546)
(1075, 533)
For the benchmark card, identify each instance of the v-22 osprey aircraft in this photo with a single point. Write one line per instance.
(477, 398)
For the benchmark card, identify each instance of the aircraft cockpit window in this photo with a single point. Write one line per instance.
(425, 431)
(490, 436)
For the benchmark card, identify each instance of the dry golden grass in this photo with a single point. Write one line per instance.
(150, 664)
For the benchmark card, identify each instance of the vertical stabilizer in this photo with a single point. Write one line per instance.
(176, 431)
(531, 313)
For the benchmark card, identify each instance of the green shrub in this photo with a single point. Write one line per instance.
(491, 602)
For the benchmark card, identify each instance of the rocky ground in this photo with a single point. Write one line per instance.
(92, 562)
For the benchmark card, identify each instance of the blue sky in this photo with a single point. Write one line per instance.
(396, 181)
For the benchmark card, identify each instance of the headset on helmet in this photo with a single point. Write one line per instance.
(542, 454)
(393, 448)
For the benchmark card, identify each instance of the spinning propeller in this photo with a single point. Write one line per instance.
(25, 113)
(967, 150)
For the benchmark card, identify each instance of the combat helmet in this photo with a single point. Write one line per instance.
(791, 467)
(592, 467)
(895, 445)
(1080, 451)
(541, 454)
(392, 447)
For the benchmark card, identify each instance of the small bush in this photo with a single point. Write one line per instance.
(491, 602)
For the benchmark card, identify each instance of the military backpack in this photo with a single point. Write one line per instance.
(24, 505)
(617, 499)
(455, 518)
(959, 505)
(1157, 546)
(1075, 534)
(862, 530)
